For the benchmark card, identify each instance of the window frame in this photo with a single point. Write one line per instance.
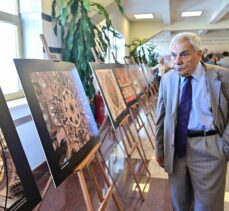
(14, 20)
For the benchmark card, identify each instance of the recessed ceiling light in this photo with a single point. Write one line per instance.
(143, 16)
(191, 13)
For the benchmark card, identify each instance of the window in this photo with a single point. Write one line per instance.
(9, 6)
(117, 48)
(10, 43)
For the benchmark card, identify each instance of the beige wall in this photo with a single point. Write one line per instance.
(141, 29)
(119, 21)
(214, 41)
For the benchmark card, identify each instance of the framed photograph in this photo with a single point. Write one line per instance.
(137, 79)
(61, 113)
(145, 69)
(141, 78)
(125, 84)
(113, 98)
(18, 189)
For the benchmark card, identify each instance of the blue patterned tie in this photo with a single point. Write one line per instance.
(183, 118)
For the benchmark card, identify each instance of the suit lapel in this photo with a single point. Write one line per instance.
(214, 87)
(175, 86)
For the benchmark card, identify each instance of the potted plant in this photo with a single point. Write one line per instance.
(142, 51)
(79, 35)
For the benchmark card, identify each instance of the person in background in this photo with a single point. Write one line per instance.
(204, 57)
(160, 68)
(224, 62)
(192, 127)
(211, 59)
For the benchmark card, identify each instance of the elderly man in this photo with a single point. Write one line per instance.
(192, 128)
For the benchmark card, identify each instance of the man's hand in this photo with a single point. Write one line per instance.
(160, 161)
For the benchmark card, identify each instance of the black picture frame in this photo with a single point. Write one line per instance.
(61, 112)
(110, 97)
(17, 181)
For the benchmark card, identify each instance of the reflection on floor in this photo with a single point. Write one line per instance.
(68, 196)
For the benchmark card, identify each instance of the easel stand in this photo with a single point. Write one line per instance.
(47, 50)
(138, 122)
(154, 95)
(128, 151)
(93, 155)
(130, 145)
(150, 98)
(146, 109)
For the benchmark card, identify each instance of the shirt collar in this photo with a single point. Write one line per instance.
(196, 74)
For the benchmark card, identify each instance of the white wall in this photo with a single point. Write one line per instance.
(216, 41)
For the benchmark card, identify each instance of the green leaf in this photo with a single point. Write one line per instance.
(102, 11)
(118, 2)
(74, 5)
(62, 34)
(63, 16)
(54, 8)
(106, 37)
(55, 28)
(69, 41)
(81, 35)
(63, 3)
(86, 4)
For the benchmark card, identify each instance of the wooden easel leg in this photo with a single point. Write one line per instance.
(151, 141)
(123, 141)
(109, 172)
(141, 124)
(146, 114)
(87, 162)
(151, 127)
(129, 164)
(144, 161)
(107, 181)
(85, 190)
(139, 140)
(153, 114)
(100, 196)
(135, 179)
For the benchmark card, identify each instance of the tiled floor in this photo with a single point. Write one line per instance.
(68, 196)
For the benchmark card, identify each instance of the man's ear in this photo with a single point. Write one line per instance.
(199, 53)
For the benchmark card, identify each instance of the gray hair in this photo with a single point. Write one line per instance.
(193, 39)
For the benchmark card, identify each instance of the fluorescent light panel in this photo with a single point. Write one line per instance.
(191, 13)
(143, 16)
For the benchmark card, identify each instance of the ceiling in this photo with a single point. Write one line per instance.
(167, 13)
